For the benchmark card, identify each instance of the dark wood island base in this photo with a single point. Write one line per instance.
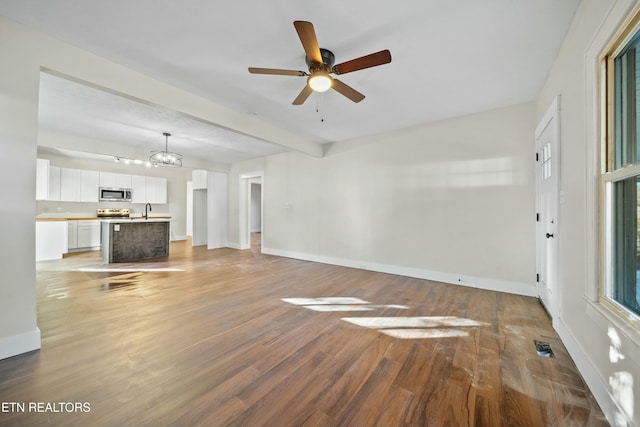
(134, 240)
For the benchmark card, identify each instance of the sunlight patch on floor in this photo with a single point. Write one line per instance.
(325, 300)
(124, 270)
(339, 307)
(424, 333)
(411, 322)
(339, 304)
(402, 327)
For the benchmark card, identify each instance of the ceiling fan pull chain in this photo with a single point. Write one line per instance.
(318, 102)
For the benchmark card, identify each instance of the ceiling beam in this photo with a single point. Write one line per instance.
(140, 88)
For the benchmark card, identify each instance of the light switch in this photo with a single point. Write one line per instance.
(116, 227)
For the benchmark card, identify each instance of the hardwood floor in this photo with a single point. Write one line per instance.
(206, 338)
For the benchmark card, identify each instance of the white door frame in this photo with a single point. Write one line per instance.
(244, 211)
(547, 185)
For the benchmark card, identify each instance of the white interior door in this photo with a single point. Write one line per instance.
(547, 210)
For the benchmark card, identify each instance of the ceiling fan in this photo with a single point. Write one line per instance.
(320, 63)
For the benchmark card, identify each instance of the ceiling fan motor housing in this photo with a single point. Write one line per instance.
(328, 59)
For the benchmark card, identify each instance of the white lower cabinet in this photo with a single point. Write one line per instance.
(51, 240)
(72, 234)
(84, 234)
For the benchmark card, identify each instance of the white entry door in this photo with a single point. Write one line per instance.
(547, 210)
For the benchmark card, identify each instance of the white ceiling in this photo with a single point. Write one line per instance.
(72, 108)
(450, 58)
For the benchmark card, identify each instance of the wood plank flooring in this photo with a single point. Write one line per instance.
(205, 339)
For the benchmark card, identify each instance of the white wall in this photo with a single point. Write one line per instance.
(216, 210)
(586, 327)
(451, 201)
(19, 79)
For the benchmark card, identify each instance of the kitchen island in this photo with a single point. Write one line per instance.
(134, 239)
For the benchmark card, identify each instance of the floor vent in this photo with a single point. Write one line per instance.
(544, 349)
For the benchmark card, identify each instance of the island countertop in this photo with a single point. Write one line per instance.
(137, 219)
(70, 216)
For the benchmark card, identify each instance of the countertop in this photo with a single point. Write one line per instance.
(95, 218)
(136, 219)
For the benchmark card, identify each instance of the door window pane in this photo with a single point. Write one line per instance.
(546, 161)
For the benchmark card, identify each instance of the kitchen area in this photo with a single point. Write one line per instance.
(92, 140)
(129, 211)
(126, 216)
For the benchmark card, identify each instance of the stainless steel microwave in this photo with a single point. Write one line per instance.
(115, 194)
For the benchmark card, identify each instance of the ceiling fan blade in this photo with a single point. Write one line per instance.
(347, 91)
(309, 41)
(306, 91)
(368, 61)
(275, 71)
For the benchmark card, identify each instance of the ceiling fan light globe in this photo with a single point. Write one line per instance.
(320, 82)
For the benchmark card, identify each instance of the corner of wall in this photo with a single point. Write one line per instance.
(18, 344)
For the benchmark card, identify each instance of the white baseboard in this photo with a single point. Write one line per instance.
(177, 238)
(18, 344)
(614, 413)
(455, 279)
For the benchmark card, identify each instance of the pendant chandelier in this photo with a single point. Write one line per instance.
(166, 158)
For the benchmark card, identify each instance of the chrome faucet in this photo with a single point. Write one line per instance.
(146, 213)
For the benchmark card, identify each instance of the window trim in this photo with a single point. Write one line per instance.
(608, 174)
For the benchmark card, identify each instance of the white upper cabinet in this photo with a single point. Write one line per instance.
(138, 189)
(69, 185)
(89, 186)
(199, 179)
(156, 190)
(78, 185)
(115, 180)
(42, 179)
(148, 189)
(54, 183)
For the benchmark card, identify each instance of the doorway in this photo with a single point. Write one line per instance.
(251, 218)
(547, 168)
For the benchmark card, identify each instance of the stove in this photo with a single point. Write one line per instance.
(113, 213)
